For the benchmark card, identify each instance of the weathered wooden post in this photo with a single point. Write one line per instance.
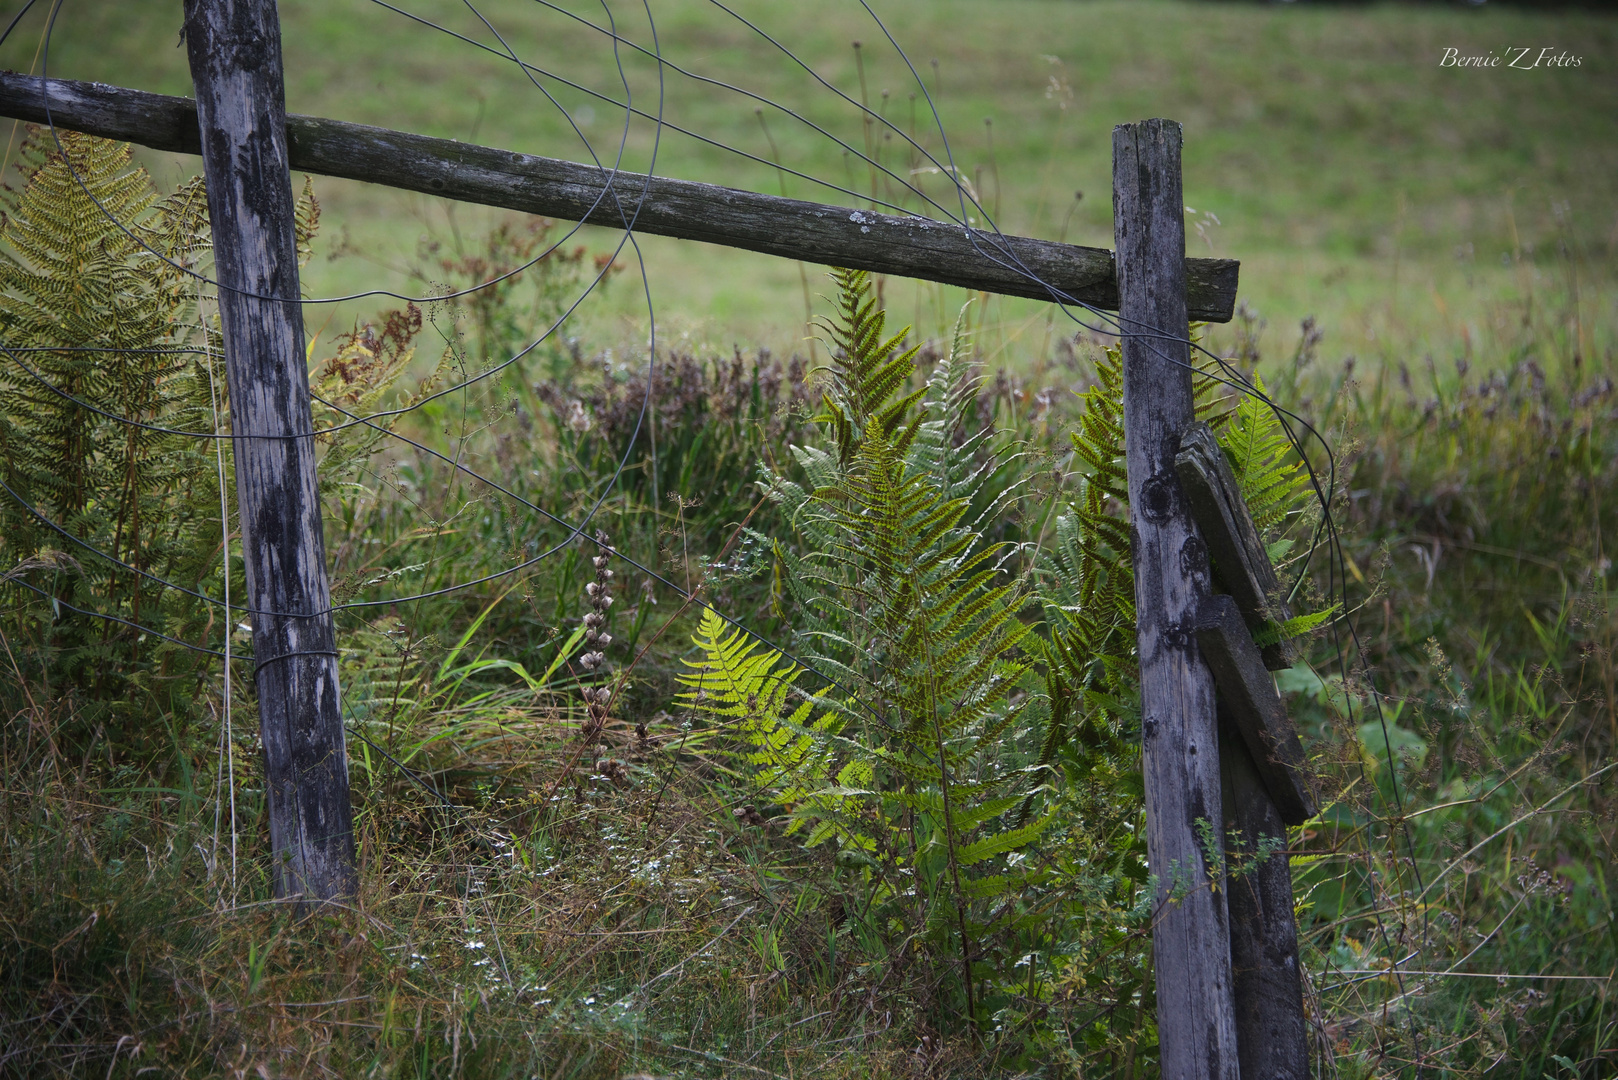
(1272, 1033)
(235, 53)
(1180, 735)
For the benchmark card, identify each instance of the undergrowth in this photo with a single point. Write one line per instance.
(601, 833)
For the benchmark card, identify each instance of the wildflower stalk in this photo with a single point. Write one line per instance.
(597, 698)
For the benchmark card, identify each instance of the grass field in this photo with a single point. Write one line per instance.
(1400, 202)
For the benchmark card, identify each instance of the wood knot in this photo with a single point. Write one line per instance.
(1158, 497)
(1177, 635)
(1194, 557)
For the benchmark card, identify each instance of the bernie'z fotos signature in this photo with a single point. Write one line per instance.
(1521, 57)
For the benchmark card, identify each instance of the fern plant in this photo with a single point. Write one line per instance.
(91, 314)
(1278, 491)
(102, 325)
(912, 770)
(1090, 580)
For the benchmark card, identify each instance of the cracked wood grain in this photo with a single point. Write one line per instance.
(1248, 693)
(1240, 562)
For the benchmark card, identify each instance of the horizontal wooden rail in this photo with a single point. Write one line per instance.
(911, 247)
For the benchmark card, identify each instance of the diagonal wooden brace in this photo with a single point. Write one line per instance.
(1248, 691)
(1241, 564)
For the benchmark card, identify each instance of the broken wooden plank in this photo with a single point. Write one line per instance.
(1248, 691)
(1241, 564)
(1272, 1035)
(913, 247)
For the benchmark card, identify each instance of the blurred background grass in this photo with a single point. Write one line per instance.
(1399, 202)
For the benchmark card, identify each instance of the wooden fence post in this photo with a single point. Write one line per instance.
(1179, 729)
(235, 53)
(1272, 1031)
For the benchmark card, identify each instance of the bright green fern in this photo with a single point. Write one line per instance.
(103, 326)
(915, 768)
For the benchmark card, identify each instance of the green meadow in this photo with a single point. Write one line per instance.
(1402, 203)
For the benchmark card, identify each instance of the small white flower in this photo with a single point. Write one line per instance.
(577, 418)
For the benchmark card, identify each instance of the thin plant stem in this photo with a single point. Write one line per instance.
(229, 744)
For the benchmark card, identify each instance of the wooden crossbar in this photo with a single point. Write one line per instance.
(913, 247)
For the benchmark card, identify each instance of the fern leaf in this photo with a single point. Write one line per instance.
(1001, 843)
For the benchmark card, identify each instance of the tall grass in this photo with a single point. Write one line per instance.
(544, 893)
(1470, 733)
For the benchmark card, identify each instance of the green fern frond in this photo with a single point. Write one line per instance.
(305, 222)
(1274, 484)
(898, 594)
(97, 316)
(866, 369)
(1297, 626)
(1001, 843)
